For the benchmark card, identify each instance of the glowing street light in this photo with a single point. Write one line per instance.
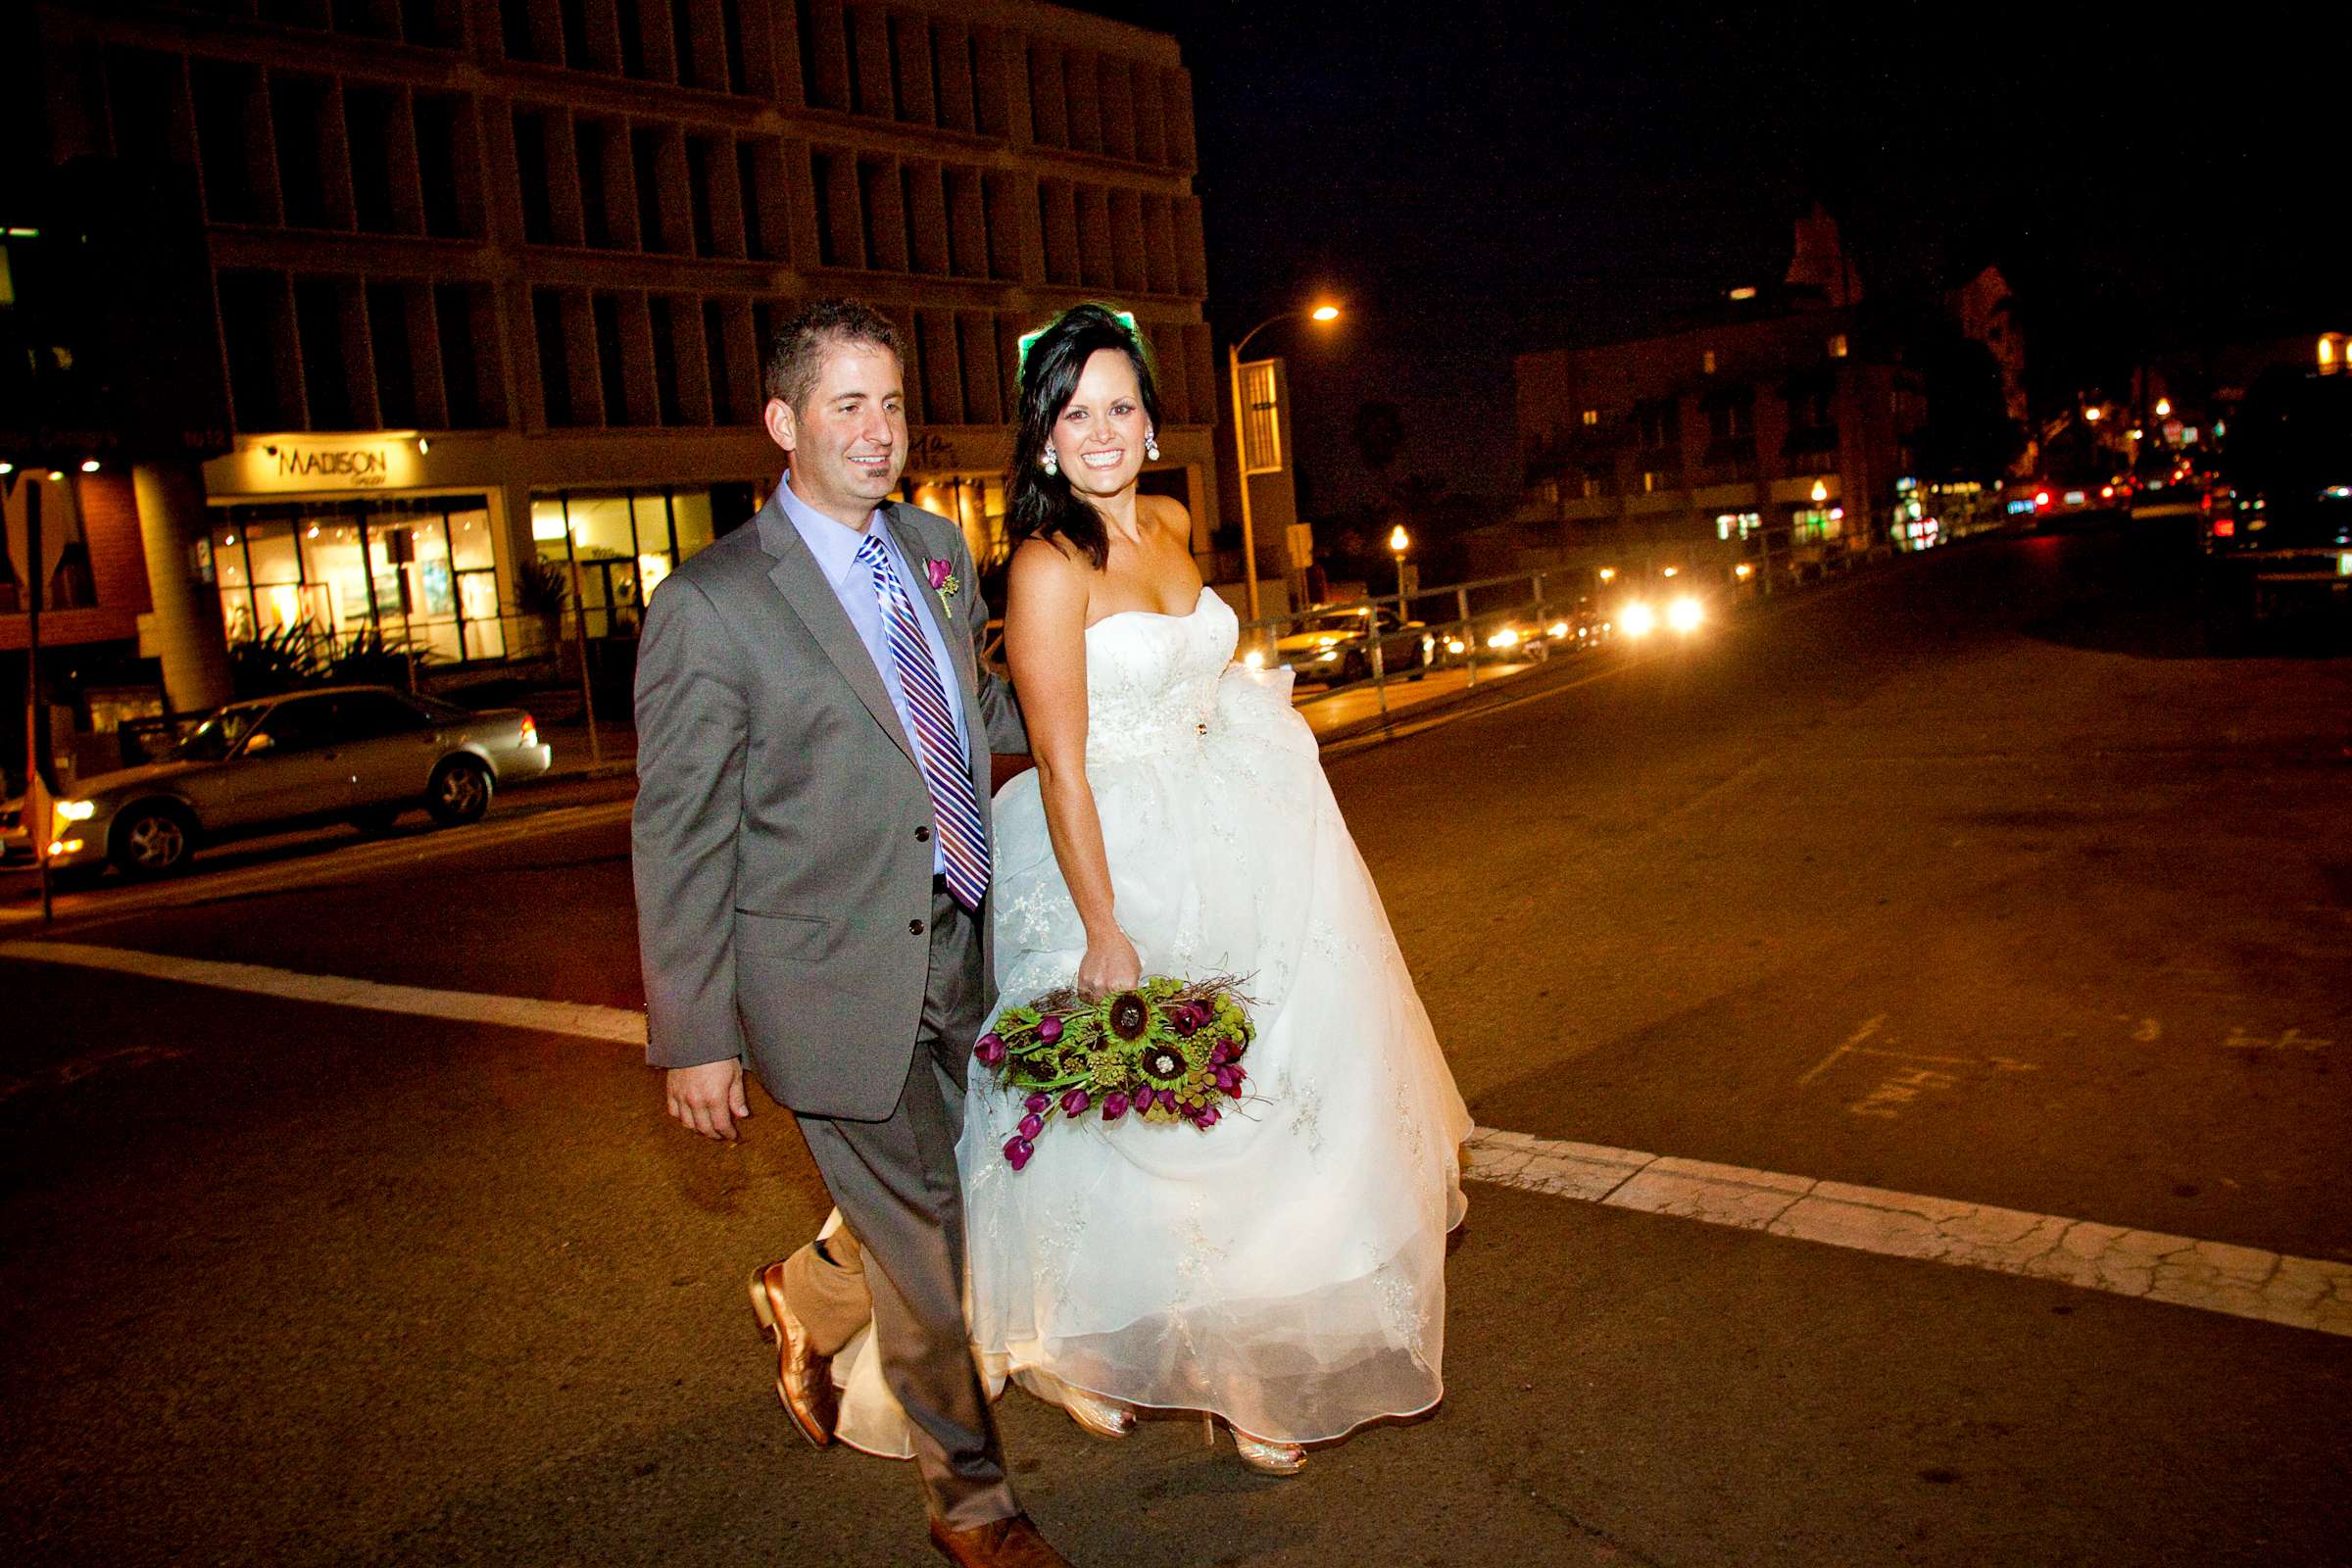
(2163, 408)
(1325, 311)
(1398, 543)
(1821, 492)
(2093, 414)
(89, 464)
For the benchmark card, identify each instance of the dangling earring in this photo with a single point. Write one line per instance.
(1049, 462)
(1150, 445)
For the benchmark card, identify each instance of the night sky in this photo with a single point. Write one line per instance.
(1478, 180)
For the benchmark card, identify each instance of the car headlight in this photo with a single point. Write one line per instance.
(76, 811)
(1330, 656)
(1683, 615)
(1640, 619)
(1508, 637)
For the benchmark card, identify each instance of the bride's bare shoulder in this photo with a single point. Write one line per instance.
(1049, 577)
(1166, 512)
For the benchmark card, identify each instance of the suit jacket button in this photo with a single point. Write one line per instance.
(915, 929)
(922, 835)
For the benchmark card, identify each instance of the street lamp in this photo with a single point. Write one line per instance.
(2163, 408)
(1398, 543)
(1821, 492)
(1240, 444)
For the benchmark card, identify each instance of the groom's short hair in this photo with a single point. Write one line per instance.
(796, 350)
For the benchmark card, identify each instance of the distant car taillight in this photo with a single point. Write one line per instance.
(2224, 527)
(530, 731)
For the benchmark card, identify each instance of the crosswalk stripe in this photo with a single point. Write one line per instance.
(2303, 1292)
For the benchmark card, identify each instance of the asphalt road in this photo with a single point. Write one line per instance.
(296, 1283)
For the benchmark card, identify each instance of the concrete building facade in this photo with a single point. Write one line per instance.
(493, 277)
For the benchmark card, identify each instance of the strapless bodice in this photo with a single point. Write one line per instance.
(1151, 679)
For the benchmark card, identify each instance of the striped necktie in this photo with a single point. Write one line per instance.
(962, 840)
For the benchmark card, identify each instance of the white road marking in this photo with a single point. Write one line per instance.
(2303, 1292)
(619, 1027)
(2212, 1276)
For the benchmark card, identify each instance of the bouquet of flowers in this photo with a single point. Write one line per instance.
(1168, 1050)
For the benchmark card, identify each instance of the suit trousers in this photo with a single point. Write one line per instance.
(898, 1187)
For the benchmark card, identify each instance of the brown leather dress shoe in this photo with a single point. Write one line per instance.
(804, 1378)
(1000, 1544)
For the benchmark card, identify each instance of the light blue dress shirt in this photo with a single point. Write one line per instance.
(836, 551)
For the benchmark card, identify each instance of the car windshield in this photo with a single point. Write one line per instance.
(213, 740)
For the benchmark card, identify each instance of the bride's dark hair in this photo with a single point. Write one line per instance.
(1043, 505)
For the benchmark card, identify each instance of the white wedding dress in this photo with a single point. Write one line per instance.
(1285, 1267)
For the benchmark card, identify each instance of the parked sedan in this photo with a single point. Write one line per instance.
(354, 753)
(1337, 647)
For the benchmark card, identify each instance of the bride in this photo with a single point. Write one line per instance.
(1284, 1269)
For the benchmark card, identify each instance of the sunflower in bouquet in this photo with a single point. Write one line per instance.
(1166, 1051)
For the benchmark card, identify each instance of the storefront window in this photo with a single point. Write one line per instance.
(621, 546)
(422, 571)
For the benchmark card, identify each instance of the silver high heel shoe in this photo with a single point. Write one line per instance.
(1269, 1458)
(1097, 1416)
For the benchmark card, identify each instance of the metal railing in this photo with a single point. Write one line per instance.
(1481, 624)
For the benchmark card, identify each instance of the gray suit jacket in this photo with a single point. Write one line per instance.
(782, 835)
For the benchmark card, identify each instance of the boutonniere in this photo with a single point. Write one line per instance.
(942, 577)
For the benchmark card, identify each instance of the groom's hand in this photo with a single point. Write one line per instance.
(708, 1099)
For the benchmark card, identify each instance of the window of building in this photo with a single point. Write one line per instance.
(1653, 480)
(1706, 361)
(1658, 425)
(611, 366)
(458, 310)
(829, 247)
(298, 119)
(253, 326)
(717, 350)
(591, 141)
(630, 14)
(224, 103)
(755, 197)
(1732, 421)
(514, 30)
(668, 396)
(730, 32)
(573, 15)
(531, 172)
(1738, 524)
(1594, 483)
(437, 142)
(391, 343)
(645, 161)
(369, 113)
(417, 573)
(1837, 346)
(623, 543)
(1592, 417)
(554, 357)
(702, 154)
(318, 325)
(1811, 525)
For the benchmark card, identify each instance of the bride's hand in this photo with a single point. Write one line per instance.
(1110, 964)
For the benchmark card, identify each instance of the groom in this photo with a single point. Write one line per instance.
(811, 849)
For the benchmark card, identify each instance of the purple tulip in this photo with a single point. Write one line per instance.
(1074, 1103)
(1144, 1099)
(1032, 1125)
(1037, 1103)
(1114, 1105)
(1224, 1079)
(1049, 1029)
(989, 1049)
(1205, 1116)
(1017, 1152)
(1186, 1017)
(1241, 1076)
(1222, 1053)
